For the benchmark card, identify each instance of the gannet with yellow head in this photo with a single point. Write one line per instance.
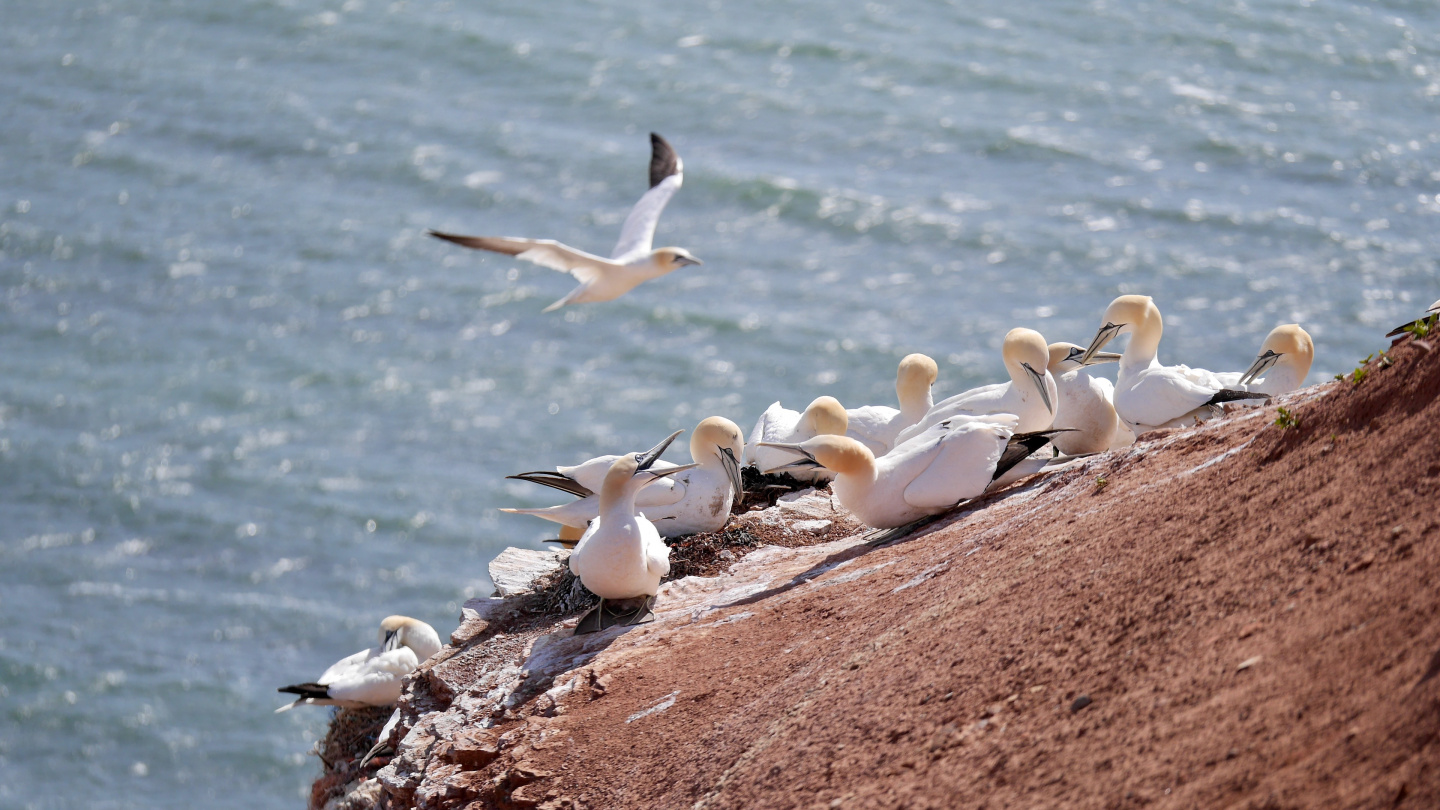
(621, 555)
(824, 416)
(1085, 405)
(696, 500)
(1149, 395)
(1030, 393)
(1282, 364)
(631, 263)
(950, 462)
(877, 426)
(371, 677)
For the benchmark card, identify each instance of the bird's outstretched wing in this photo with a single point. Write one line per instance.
(585, 267)
(667, 172)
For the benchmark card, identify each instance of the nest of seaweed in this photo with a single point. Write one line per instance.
(762, 490)
(351, 735)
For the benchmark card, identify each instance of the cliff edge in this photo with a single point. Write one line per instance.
(1243, 614)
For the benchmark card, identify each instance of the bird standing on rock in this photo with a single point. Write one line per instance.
(631, 263)
(621, 556)
(371, 677)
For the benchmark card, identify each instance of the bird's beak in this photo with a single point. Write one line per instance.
(732, 471)
(806, 462)
(687, 260)
(1106, 334)
(1039, 379)
(390, 639)
(1103, 357)
(656, 474)
(649, 457)
(1262, 364)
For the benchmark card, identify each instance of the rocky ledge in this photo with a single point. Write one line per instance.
(1244, 614)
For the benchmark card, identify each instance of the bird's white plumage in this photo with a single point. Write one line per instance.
(945, 464)
(374, 676)
(1085, 407)
(637, 235)
(621, 555)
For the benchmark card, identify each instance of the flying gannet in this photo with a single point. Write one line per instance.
(694, 501)
(949, 462)
(1280, 367)
(1430, 313)
(1149, 395)
(877, 426)
(1030, 393)
(371, 677)
(621, 555)
(632, 262)
(1086, 403)
(779, 424)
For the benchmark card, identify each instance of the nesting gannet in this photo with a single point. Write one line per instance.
(621, 555)
(632, 261)
(1085, 404)
(371, 677)
(1030, 393)
(877, 426)
(778, 424)
(1281, 365)
(1430, 313)
(697, 500)
(1147, 394)
(946, 464)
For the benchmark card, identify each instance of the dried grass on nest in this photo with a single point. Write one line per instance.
(351, 734)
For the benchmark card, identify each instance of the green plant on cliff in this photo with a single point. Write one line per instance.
(1423, 326)
(1101, 482)
(1287, 419)
(1363, 370)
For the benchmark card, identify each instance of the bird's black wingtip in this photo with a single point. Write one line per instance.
(663, 160)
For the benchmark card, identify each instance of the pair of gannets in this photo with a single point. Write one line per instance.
(698, 499)
(1085, 406)
(949, 462)
(371, 677)
(1149, 395)
(631, 263)
(1030, 394)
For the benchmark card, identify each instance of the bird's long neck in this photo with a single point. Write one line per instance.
(1144, 342)
(619, 499)
(916, 400)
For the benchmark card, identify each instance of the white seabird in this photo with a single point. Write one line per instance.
(621, 555)
(697, 500)
(949, 462)
(371, 677)
(823, 416)
(631, 263)
(1282, 364)
(877, 426)
(1086, 404)
(1030, 393)
(1149, 395)
(1430, 312)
